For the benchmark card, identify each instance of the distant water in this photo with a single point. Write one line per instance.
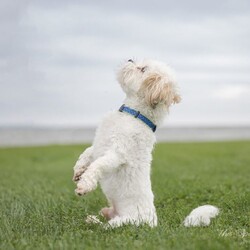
(44, 136)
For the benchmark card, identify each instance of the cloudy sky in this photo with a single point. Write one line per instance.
(58, 58)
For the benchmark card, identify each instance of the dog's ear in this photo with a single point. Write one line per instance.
(177, 98)
(151, 90)
(156, 91)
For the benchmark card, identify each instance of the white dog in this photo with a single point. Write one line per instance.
(120, 156)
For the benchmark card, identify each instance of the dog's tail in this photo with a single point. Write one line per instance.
(201, 216)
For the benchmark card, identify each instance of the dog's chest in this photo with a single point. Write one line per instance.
(124, 133)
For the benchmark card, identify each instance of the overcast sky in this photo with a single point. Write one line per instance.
(58, 58)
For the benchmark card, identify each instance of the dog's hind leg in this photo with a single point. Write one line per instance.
(136, 219)
(108, 212)
(118, 221)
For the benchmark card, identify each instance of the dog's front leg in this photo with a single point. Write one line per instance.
(105, 164)
(82, 163)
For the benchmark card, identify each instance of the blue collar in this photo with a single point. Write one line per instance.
(138, 115)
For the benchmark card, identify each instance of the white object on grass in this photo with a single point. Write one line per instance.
(201, 216)
(92, 219)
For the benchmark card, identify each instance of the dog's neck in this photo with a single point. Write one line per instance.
(156, 115)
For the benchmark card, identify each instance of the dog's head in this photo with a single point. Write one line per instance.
(151, 81)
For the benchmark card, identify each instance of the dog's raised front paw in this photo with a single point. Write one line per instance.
(79, 169)
(77, 174)
(84, 186)
(80, 191)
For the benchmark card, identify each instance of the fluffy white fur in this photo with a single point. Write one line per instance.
(201, 216)
(120, 156)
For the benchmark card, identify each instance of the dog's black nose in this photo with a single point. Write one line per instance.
(130, 60)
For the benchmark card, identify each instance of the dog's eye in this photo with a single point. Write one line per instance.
(143, 69)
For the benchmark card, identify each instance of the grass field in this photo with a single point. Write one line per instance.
(39, 210)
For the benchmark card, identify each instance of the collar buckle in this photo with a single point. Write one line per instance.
(121, 108)
(137, 114)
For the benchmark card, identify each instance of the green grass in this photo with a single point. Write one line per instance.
(38, 208)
